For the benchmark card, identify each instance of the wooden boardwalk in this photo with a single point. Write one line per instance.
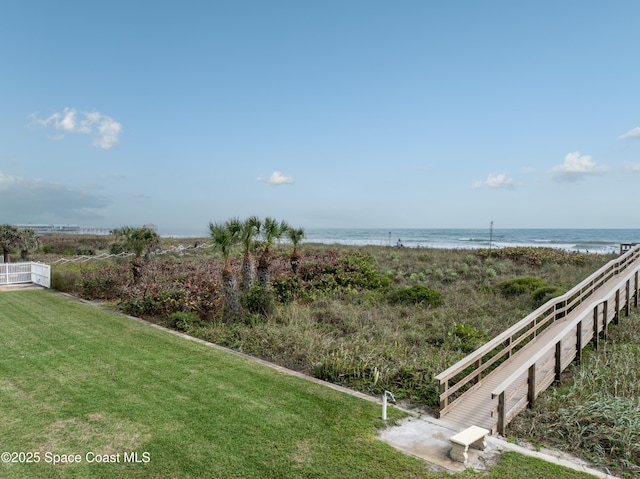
(490, 386)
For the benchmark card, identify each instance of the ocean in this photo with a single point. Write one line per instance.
(591, 240)
(583, 240)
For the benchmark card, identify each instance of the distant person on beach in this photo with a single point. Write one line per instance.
(399, 243)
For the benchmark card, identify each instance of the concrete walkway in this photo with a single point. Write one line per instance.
(428, 438)
(19, 286)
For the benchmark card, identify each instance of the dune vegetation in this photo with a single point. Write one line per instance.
(369, 318)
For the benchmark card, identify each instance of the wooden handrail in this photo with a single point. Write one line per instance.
(560, 305)
(590, 310)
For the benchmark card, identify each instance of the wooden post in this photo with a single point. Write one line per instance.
(627, 298)
(476, 366)
(579, 343)
(502, 414)
(561, 314)
(531, 393)
(615, 316)
(508, 345)
(443, 388)
(595, 327)
(635, 291)
(605, 319)
(558, 362)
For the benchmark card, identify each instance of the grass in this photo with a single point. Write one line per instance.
(341, 331)
(360, 340)
(596, 412)
(76, 379)
(515, 466)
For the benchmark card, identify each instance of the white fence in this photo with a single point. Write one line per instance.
(29, 272)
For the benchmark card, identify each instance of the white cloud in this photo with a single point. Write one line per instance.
(7, 181)
(496, 181)
(105, 129)
(634, 133)
(276, 178)
(632, 168)
(109, 133)
(576, 167)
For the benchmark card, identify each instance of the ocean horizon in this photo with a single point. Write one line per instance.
(579, 240)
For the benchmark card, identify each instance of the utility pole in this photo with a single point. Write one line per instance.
(490, 236)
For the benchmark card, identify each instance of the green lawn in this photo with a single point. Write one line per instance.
(76, 379)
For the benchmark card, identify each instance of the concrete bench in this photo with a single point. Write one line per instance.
(472, 436)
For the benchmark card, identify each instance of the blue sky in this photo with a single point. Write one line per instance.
(339, 114)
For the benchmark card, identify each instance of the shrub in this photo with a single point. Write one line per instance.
(259, 300)
(72, 245)
(185, 321)
(357, 270)
(544, 294)
(329, 276)
(466, 337)
(539, 289)
(416, 294)
(116, 248)
(99, 287)
(287, 289)
(536, 256)
(65, 281)
(517, 286)
(144, 305)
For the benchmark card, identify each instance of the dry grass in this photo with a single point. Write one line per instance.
(597, 412)
(349, 334)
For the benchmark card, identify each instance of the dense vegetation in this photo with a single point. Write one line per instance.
(76, 379)
(370, 318)
(366, 317)
(11, 237)
(596, 412)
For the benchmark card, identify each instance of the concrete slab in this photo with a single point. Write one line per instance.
(427, 438)
(20, 287)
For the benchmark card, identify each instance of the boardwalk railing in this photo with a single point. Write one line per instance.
(28, 272)
(461, 379)
(522, 387)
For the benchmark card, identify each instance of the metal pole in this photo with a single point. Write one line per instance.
(384, 403)
(384, 406)
(490, 237)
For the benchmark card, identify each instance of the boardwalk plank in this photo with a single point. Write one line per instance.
(477, 407)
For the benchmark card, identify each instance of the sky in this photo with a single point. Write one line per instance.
(326, 114)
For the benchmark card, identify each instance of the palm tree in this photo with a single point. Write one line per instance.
(9, 237)
(225, 236)
(295, 235)
(29, 240)
(137, 241)
(271, 231)
(248, 232)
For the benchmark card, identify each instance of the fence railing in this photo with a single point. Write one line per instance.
(28, 272)
(522, 387)
(460, 379)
